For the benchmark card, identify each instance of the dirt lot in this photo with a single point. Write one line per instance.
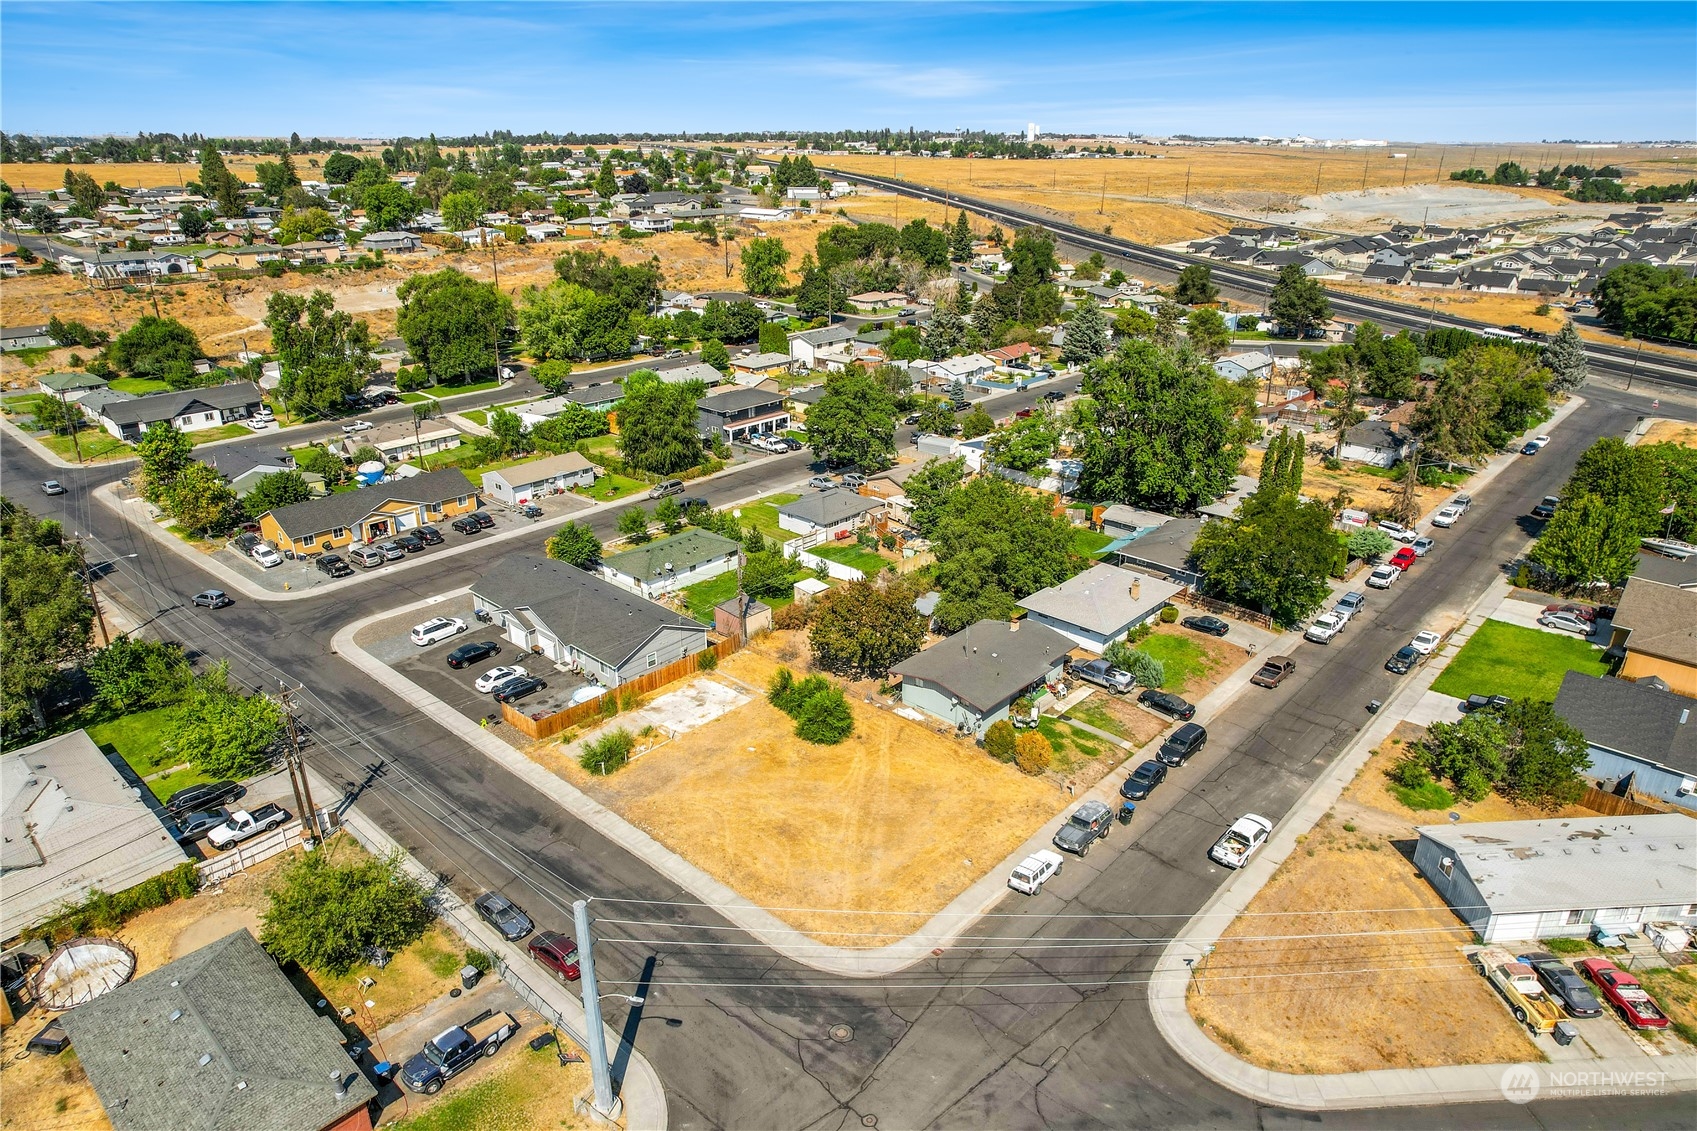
(1430, 1008)
(1671, 432)
(851, 828)
(1367, 492)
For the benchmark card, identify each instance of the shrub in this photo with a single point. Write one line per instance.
(707, 661)
(1332, 463)
(102, 913)
(1032, 753)
(999, 741)
(607, 753)
(825, 719)
(1169, 614)
(1410, 772)
(329, 907)
(792, 616)
(479, 961)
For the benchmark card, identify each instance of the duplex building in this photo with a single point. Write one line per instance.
(583, 622)
(1099, 606)
(736, 414)
(520, 484)
(595, 398)
(71, 386)
(971, 679)
(401, 441)
(189, 410)
(370, 514)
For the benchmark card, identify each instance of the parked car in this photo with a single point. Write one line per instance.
(1397, 531)
(1274, 671)
(1404, 558)
(1481, 702)
(1583, 612)
(556, 953)
(1519, 986)
(1464, 501)
(1350, 604)
(436, 629)
(243, 824)
(467, 525)
(495, 677)
(391, 551)
(356, 426)
(1425, 642)
(1213, 626)
(455, 1049)
(266, 555)
(1567, 622)
(192, 826)
(822, 483)
(52, 487)
(334, 565)
(484, 519)
(471, 653)
(853, 480)
(1143, 780)
(1621, 990)
(1238, 843)
(1547, 508)
(429, 535)
(1563, 984)
(1529, 449)
(1182, 744)
(791, 444)
(516, 689)
(530, 510)
(409, 543)
(1104, 675)
(1421, 546)
(1447, 516)
(202, 796)
(1089, 823)
(504, 915)
(1030, 874)
(1403, 660)
(212, 599)
(1167, 703)
(370, 557)
(1383, 577)
(666, 487)
(1054, 395)
(1325, 626)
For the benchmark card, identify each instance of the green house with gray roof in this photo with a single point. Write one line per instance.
(668, 564)
(71, 386)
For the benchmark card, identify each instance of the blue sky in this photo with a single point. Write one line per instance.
(1402, 71)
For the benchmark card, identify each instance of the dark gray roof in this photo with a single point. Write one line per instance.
(1385, 271)
(346, 508)
(809, 395)
(824, 336)
(234, 461)
(822, 508)
(1167, 546)
(590, 614)
(165, 406)
(1491, 279)
(270, 1062)
(1632, 718)
(986, 664)
(1375, 434)
(1680, 572)
(735, 400)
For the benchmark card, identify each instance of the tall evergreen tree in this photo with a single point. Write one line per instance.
(1086, 335)
(960, 239)
(1565, 359)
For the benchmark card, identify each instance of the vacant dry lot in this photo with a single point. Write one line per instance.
(896, 818)
(1671, 432)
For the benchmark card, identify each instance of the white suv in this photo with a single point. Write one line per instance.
(432, 631)
(1446, 516)
(1397, 531)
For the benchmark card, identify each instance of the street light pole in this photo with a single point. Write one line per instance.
(596, 1035)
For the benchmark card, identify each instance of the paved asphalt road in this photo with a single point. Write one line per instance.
(996, 1035)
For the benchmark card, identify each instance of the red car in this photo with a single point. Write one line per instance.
(1584, 612)
(1622, 991)
(1404, 557)
(556, 952)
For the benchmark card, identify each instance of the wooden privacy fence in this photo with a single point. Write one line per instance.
(547, 726)
(1614, 805)
(1236, 612)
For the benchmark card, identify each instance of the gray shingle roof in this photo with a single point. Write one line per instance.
(273, 1063)
(736, 400)
(1632, 718)
(683, 551)
(986, 664)
(824, 336)
(165, 406)
(822, 508)
(1661, 620)
(70, 382)
(1100, 600)
(318, 515)
(587, 612)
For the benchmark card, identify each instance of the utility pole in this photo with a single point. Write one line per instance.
(71, 423)
(1439, 175)
(596, 1035)
(1410, 508)
(1101, 208)
(1634, 371)
(1187, 186)
(1317, 173)
(1365, 165)
(1405, 162)
(93, 597)
(297, 767)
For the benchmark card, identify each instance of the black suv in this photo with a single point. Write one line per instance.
(1404, 661)
(482, 518)
(1168, 704)
(334, 565)
(1182, 744)
(471, 653)
(467, 525)
(203, 796)
(429, 535)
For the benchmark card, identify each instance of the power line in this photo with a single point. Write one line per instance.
(1085, 944)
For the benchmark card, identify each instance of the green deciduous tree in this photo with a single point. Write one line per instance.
(633, 524)
(929, 489)
(1525, 751)
(937, 418)
(1589, 540)
(763, 261)
(1025, 445)
(451, 323)
(1298, 304)
(133, 674)
(714, 353)
(859, 628)
(325, 354)
(571, 320)
(388, 206)
(854, 421)
(316, 459)
(165, 454)
(657, 424)
(461, 210)
(773, 338)
(1276, 556)
(669, 515)
(569, 427)
(279, 489)
(45, 615)
(220, 731)
(574, 545)
(1157, 432)
(553, 375)
(327, 909)
(1369, 544)
(1206, 331)
(1636, 298)
(1195, 285)
(158, 348)
(977, 423)
(995, 544)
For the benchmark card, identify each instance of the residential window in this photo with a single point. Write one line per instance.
(653, 659)
(1574, 918)
(339, 532)
(1447, 866)
(462, 500)
(311, 540)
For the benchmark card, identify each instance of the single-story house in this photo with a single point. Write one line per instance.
(243, 256)
(245, 482)
(971, 679)
(1099, 606)
(243, 468)
(806, 344)
(1163, 552)
(582, 621)
(1495, 282)
(870, 301)
(189, 410)
(1228, 504)
(736, 414)
(517, 485)
(1636, 731)
(970, 368)
(1518, 880)
(595, 398)
(1663, 570)
(593, 224)
(1375, 442)
(25, 338)
(827, 512)
(391, 242)
(668, 564)
(761, 365)
(1001, 355)
(398, 441)
(1257, 364)
(1122, 521)
(1655, 630)
(696, 371)
(370, 514)
(315, 251)
(230, 1043)
(70, 386)
(73, 823)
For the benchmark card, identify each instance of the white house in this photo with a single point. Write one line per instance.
(526, 481)
(398, 441)
(806, 344)
(668, 564)
(1375, 442)
(1101, 605)
(827, 513)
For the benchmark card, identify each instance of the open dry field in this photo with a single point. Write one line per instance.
(1366, 492)
(1671, 432)
(856, 844)
(144, 174)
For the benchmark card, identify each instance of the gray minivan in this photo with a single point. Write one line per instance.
(666, 487)
(368, 556)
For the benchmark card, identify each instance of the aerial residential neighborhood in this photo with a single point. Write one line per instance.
(577, 588)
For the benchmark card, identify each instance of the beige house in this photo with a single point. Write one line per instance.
(1655, 629)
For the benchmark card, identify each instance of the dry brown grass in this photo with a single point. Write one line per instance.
(45, 1093)
(1672, 432)
(1366, 492)
(792, 826)
(1500, 310)
(139, 174)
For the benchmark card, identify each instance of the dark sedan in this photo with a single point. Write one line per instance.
(410, 542)
(516, 689)
(504, 915)
(1213, 626)
(203, 796)
(1564, 984)
(472, 653)
(1168, 704)
(1403, 661)
(467, 525)
(1143, 781)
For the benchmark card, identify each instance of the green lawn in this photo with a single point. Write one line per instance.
(137, 386)
(416, 398)
(461, 390)
(1182, 658)
(1092, 713)
(599, 448)
(1088, 542)
(1521, 663)
(23, 404)
(1070, 744)
(763, 515)
(1429, 796)
(227, 432)
(853, 555)
(477, 416)
(96, 445)
(135, 738)
(611, 488)
(702, 596)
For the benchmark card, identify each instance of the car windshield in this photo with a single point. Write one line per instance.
(435, 1055)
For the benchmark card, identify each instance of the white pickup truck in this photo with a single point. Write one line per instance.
(244, 824)
(1325, 626)
(1238, 843)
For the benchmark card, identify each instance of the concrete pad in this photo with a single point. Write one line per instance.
(694, 705)
(1434, 707)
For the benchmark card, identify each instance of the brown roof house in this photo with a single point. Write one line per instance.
(1655, 630)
